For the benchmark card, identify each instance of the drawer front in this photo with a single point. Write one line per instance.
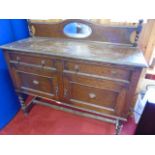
(39, 85)
(35, 70)
(100, 96)
(28, 59)
(98, 70)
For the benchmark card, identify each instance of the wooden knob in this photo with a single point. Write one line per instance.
(35, 82)
(92, 95)
(43, 62)
(76, 67)
(114, 72)
(18, 59)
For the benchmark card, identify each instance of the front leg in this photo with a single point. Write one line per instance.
(23, 104)
(119, 126)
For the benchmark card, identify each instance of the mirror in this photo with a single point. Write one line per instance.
(77, 30)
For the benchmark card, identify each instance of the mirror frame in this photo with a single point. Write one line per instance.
(77, 35)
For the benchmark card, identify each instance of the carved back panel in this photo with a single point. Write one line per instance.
(103, 33)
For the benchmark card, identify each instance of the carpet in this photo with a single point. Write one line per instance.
(43, 120)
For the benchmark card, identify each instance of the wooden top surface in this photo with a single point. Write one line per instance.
(84, 50)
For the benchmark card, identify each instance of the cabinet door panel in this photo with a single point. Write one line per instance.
(39, 85)
(89, 96)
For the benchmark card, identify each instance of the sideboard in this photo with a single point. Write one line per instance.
(94, 76)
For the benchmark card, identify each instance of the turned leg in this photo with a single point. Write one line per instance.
(22, 103)
(119, 126)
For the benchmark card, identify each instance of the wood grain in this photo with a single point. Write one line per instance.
(113, 34)
(89, 51)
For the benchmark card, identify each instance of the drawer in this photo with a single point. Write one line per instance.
(98, 70)
(35, 70)
(31, 60)
(39, 85)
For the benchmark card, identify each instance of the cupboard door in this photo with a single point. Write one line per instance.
(95, 95)
(37, 84)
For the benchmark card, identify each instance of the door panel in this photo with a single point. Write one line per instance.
(39, 85)
(98, 97)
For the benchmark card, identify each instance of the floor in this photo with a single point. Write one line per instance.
(45, 120)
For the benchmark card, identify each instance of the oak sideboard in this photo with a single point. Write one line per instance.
(94, 76)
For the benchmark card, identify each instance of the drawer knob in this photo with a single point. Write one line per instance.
(92, 95)
(76, 67)
(114, 72)
(42, 62)
(18, 59)
(35, 82)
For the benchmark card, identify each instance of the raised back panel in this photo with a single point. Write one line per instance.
(112, 34)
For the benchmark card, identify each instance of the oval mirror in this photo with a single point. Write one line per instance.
(77, 30)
